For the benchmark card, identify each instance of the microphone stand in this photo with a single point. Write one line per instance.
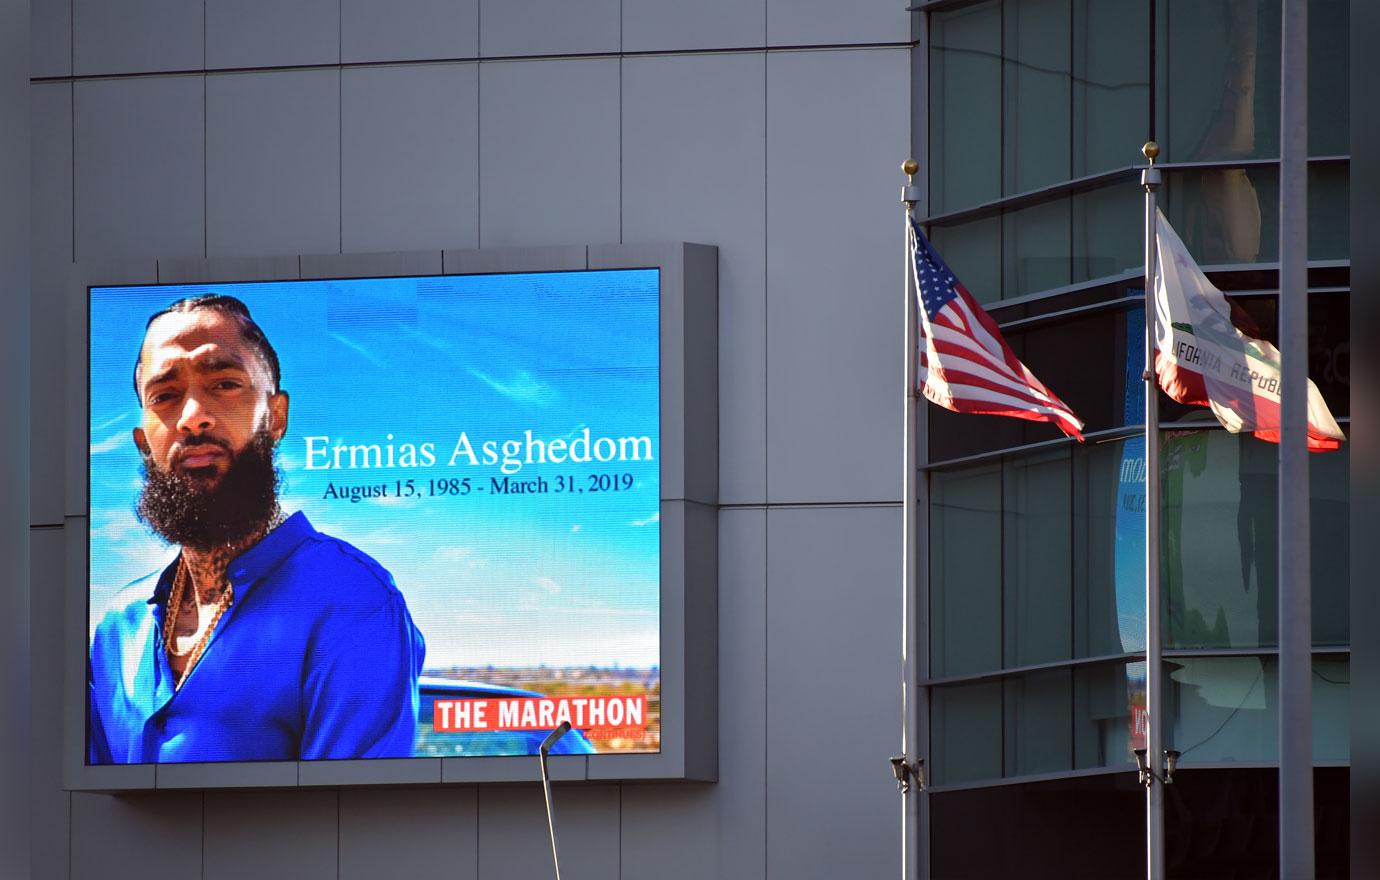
(545, 749)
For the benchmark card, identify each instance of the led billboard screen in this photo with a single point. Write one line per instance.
(382, 517)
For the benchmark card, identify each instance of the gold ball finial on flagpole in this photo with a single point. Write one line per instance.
(1151, 150)
(909, 167)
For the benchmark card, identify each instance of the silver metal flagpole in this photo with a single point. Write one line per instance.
(1295, 612)
(911, 777)
(1152, 774)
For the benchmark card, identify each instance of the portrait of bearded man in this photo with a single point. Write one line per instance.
(264, 640)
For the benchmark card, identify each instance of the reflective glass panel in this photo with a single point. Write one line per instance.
(1329, 212)
(1220, 520)
(965, 732)
(1219, 69)
(1224, 823)
(1035, 248)
(973, 252)
(1108, 231)
(1037, 724)
(1093, 363)
(1227, 708)
(1037, 558)
(1036, 85)
(1329, 86)
(965, 107)
(1225, 215)
(965, 571)
(1111, 98)
(1109, 548)
(1109, 718)
(1089, 828)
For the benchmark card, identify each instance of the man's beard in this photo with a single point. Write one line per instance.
(182, 509)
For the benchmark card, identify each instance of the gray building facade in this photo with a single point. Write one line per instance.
(774, 130)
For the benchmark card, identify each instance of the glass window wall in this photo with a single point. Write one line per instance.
(1219, 562)
(1226, 709)
(965, 104)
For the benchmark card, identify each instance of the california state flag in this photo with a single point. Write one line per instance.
(1202, 358)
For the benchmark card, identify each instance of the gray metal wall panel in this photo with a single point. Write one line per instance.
(833, 704)
(283, 268)
(46, 803)
(406, 30)
(273, 163)
(137, 36)
(136, 837)
(371, 265)
(695, 831)
(427, 834)
(16, 681)
(831, 23)
(140, 161)
(50, 38)
(410, 154)
(50, 218)
(549, 154)
(834, 258)
(666, 25)
(271, 33)
(547, 27)
(513, 841)
(694, 151)
(275, 835)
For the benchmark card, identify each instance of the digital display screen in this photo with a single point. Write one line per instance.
(382, 517)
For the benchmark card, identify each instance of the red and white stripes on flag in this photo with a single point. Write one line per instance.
(1202, 358)
(965, 365)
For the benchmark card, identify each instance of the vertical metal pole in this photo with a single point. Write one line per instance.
(1295, 612)
(910, 697)
(1154, 668)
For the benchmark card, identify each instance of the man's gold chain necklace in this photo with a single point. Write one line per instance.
(179, 590)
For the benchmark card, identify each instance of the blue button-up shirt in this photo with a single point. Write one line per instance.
(316, 657)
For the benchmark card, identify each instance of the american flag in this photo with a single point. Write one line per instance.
(965, 365)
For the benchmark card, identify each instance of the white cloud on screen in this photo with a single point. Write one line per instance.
(115, 441)
(359, 350)
(110, 422)
(547, 584)
(523, 387)
(654, 518)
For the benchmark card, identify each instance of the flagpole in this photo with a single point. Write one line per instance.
(1152, 775)
(1296, 860)
(911, 776)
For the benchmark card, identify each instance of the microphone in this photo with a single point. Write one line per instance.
(542, 752)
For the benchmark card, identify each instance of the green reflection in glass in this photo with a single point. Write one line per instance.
(1220, 521)
(1227, 708)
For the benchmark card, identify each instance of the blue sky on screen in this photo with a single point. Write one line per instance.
(507, 580)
